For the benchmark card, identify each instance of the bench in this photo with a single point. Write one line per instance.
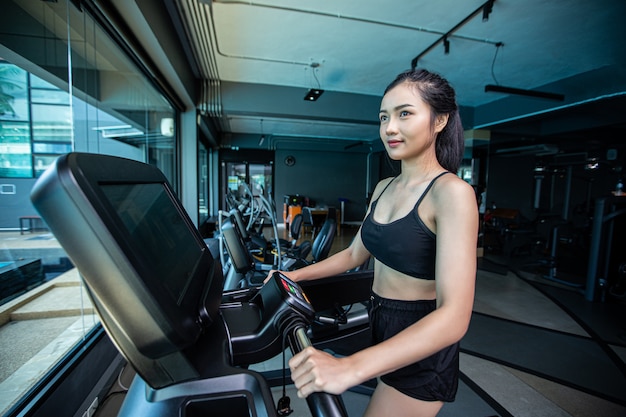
(30, 223)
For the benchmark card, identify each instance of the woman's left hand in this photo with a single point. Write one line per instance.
(313, 370)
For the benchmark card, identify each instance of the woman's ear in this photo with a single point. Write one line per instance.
(440, 122)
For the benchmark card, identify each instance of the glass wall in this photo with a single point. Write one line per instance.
(35, 123)
(243, 178)
(203, 183)
(65, 85)
(245, 173)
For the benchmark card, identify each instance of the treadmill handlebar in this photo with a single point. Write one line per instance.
(321, 404)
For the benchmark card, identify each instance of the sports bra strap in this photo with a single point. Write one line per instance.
(384, 189)
(432, 182)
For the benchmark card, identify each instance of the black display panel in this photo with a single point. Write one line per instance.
(150, 276)
(158, 233)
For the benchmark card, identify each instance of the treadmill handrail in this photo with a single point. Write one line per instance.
(321, 404)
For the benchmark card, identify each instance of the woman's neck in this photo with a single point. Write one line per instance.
(417, 171)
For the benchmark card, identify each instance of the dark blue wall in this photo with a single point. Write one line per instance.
(324, 177)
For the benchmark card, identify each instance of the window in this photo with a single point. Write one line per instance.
(36, 125)
(15, 152)
(203, 183)
(243, 173)
(59, 95)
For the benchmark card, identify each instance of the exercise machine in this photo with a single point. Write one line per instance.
(159, 293)
(606, 211)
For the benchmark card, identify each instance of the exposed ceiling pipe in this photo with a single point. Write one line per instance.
(354, 145)
(336, 16)
(275, 140)
(198, 19)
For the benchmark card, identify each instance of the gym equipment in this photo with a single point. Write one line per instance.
(319, 249)
(606, 211)
(566, 242)
(158, 292)
(295, 228)
(244, 271)
(251, 230)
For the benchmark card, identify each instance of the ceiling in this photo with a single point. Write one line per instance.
(262, 56)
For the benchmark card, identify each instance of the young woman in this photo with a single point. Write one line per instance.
(421, 228)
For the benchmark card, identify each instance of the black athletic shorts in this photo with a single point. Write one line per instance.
(434, 378)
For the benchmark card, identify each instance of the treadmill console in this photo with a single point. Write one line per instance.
(256, 325)
(293, 295)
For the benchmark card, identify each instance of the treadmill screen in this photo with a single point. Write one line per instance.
(152, 279)
(157, 230)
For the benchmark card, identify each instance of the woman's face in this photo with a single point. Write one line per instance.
(405, 123)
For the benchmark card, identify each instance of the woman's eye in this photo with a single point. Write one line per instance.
(383, 118)
(404, 113)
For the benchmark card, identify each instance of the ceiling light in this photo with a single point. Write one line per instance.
(487, 9)
(521, 92)
(592, 164)
(313, 94)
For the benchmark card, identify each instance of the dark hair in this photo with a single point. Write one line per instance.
(437, 92)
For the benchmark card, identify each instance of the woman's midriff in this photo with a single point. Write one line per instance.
(394, 285)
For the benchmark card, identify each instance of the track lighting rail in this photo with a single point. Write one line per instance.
(485, 9)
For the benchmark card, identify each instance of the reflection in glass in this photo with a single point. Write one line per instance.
(48, 108)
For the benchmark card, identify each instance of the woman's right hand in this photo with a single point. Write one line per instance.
(269, 275)
(285, 273)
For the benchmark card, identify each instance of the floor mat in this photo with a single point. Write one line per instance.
(570, 360)
(486, 264)
(607, 319)
(471, 401)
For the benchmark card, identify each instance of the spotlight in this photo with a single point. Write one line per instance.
(446, 45)
(313, 94)
(261, 140)
(487, 9)
(592, 164)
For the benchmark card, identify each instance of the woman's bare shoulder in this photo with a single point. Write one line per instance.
(451, 188)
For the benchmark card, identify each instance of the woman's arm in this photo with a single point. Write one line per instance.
(351, 257)
(457, 225)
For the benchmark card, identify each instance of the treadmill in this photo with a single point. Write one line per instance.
(159, 294)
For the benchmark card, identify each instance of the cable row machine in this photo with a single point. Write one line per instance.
(158, 292)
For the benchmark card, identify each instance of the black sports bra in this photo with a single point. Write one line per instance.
(406, 244)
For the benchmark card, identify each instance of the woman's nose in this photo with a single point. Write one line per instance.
(390, 127)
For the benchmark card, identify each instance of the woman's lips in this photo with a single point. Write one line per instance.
(393, 142)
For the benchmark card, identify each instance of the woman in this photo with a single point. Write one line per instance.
(421, 303)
